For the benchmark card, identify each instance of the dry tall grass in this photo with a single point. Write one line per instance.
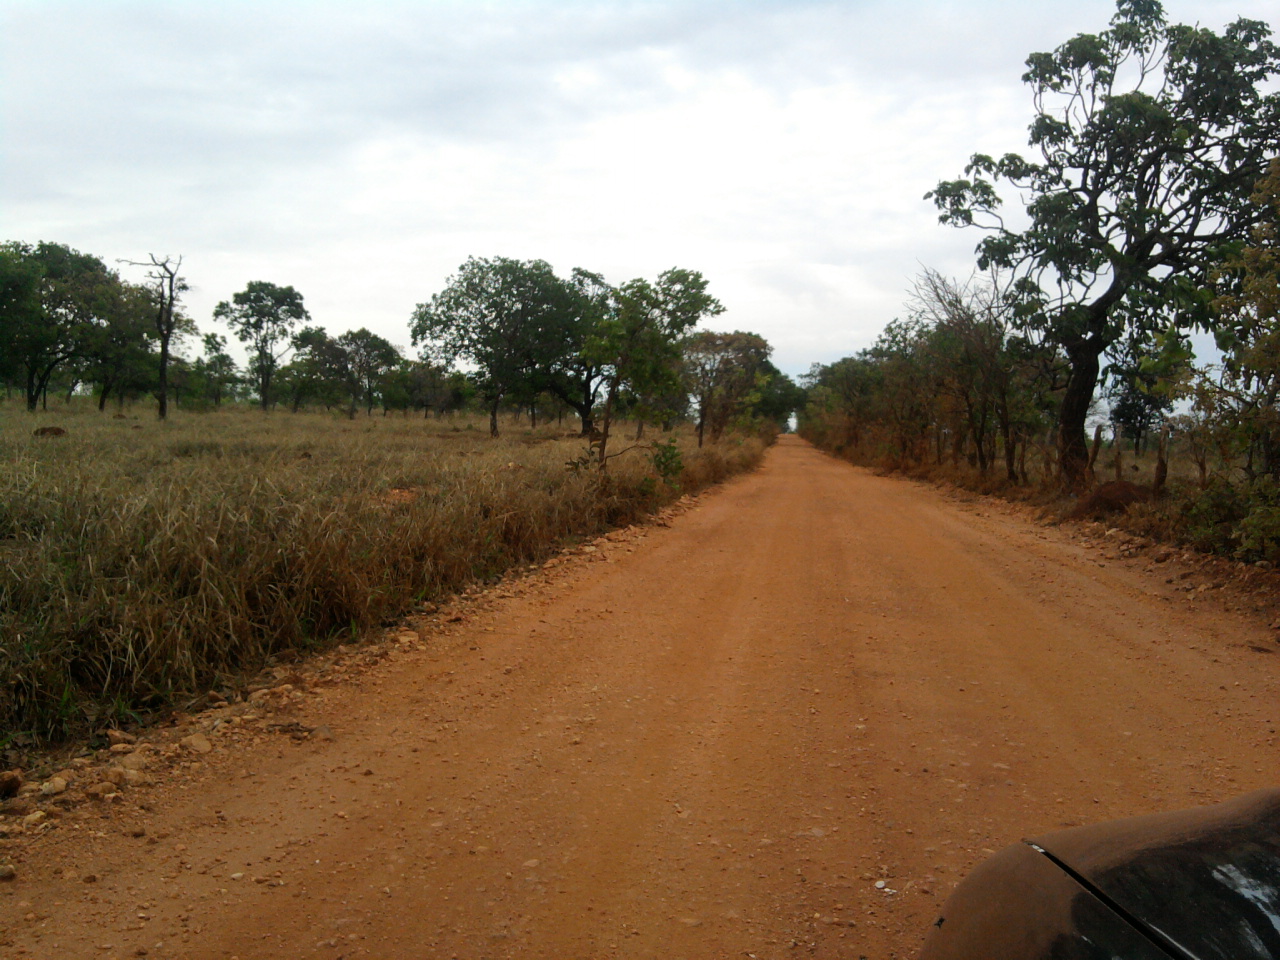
(140, 561)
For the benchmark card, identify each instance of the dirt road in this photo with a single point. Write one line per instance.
(706, 740)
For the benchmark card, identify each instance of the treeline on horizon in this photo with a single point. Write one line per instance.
(1148, 211)
(502, 334)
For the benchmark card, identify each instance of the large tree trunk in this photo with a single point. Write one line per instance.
(1073, 448)
(493, 417)
(264, 380)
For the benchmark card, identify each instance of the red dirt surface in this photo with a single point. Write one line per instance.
(704, 740)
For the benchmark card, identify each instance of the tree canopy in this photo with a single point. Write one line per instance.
(512, 320)
(1150, 137)
(262, 316)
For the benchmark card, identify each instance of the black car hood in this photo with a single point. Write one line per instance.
(1204, 882)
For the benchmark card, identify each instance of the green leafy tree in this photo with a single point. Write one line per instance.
(1150, 138)
(434, 388)
(577, 375)
(722, 371)
(215, 374)
(119, 354)
(319, 371)
(371, 359)
(512, 320)
(75, 293)
(1139, 399)
(638, 336)
(20, 310)
(262, 316)
(779, 397)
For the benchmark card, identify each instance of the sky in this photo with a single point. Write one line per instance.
(360, 152)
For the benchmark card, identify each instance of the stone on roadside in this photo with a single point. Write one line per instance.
(119, 736)
(135, 761)
(118, 775)
(53, 786)
(123, 748)
(10, 783)
(100, 790)
(196, 743)
(7, 872)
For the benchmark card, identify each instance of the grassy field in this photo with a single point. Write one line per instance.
(141, 562)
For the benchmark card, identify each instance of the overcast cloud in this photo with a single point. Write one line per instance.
(361, 152)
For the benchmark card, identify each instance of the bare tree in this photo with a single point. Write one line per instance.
(166, 287)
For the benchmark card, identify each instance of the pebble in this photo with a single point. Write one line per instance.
(197, 743)
(53, 786)
(10, 783)
(7, 872)
(135, 761)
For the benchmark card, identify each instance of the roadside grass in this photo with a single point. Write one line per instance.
(143, 562)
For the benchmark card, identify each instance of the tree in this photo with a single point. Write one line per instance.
(722, 371)
(167, 286)
(638, 335)
(117, 355)
(512, 320)
(779, 398)
(1246, 396)
(371, 359)
(1150, 138)
(218, 368)
(841, 401)
(575, 378)
(319, 372)
(1134, 389)
(75, 294)
(20, 277)
(262, 317)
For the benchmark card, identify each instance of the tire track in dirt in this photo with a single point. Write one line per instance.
(711, 742)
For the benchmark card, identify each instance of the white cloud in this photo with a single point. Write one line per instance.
(362, 152)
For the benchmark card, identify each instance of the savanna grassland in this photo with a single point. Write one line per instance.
(143, 561)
